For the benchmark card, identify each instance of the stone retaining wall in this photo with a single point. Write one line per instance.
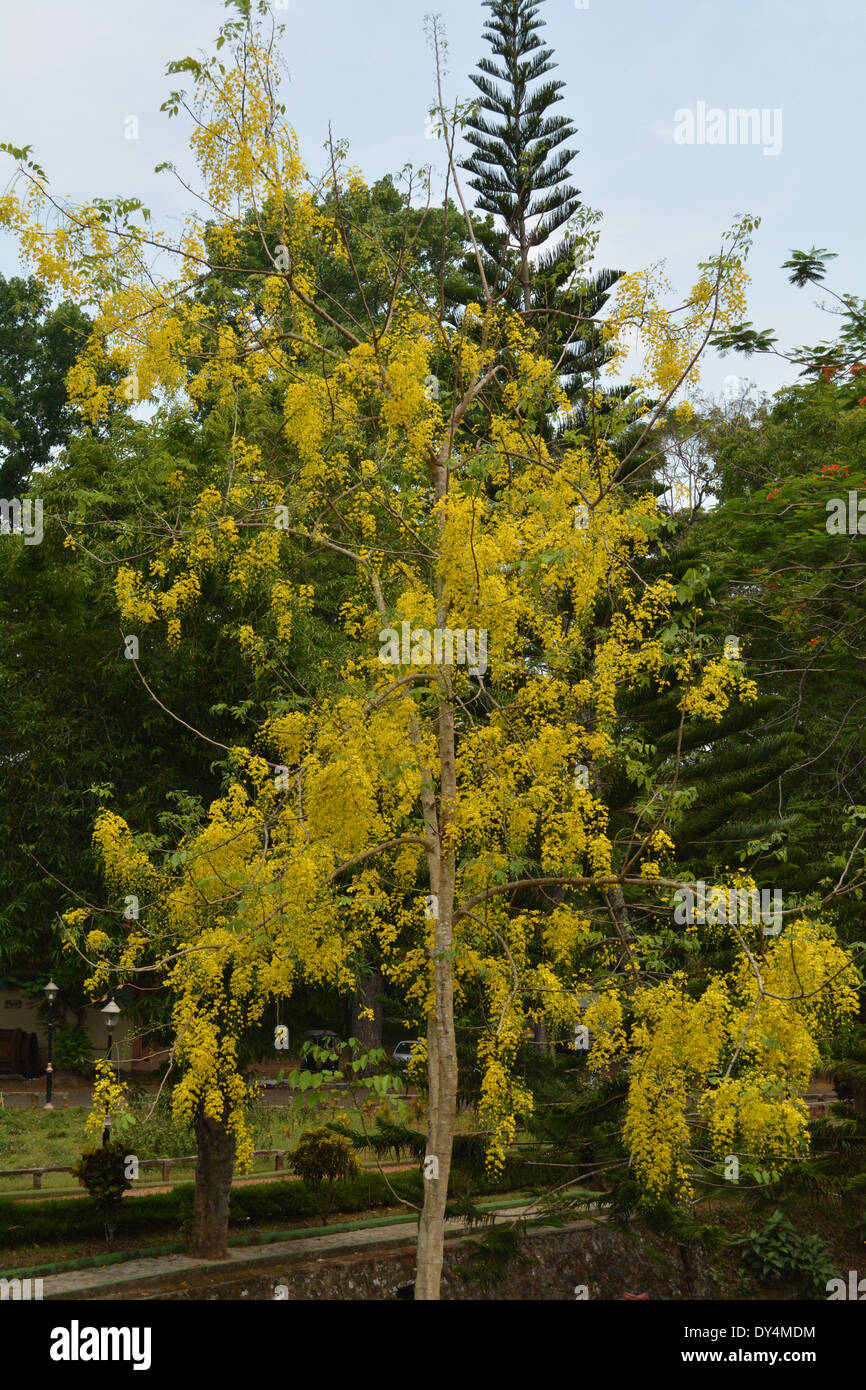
(605, 1261)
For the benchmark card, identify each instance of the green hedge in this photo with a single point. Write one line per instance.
(70, 1219)
(59, 1220)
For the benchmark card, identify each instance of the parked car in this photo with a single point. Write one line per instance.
(402, 1053)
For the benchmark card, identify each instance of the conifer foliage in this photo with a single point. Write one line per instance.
(521, 170)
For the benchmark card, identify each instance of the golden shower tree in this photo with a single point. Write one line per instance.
(440, 782)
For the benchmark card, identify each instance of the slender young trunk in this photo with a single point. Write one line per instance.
(441, 1034)
(442, 1117)
(525, 269)
(441, 1058)
(213, 1184)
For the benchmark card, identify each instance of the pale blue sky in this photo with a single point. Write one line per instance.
(71, 71)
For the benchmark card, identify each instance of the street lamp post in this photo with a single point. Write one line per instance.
(51, 992)
(111, 1014)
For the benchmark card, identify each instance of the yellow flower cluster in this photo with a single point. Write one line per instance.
(109, 1099)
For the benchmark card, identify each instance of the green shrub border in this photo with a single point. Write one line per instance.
(75, 1218)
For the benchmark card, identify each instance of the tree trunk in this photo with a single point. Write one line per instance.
(213, 1184)
(525, 270)
(441, 1035)
(442, 1071)
(542, 1037)
(368, 1031)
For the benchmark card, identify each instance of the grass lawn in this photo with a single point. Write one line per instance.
(33, 1138)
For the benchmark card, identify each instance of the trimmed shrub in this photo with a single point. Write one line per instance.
(103, 1172)
(320, 1159)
